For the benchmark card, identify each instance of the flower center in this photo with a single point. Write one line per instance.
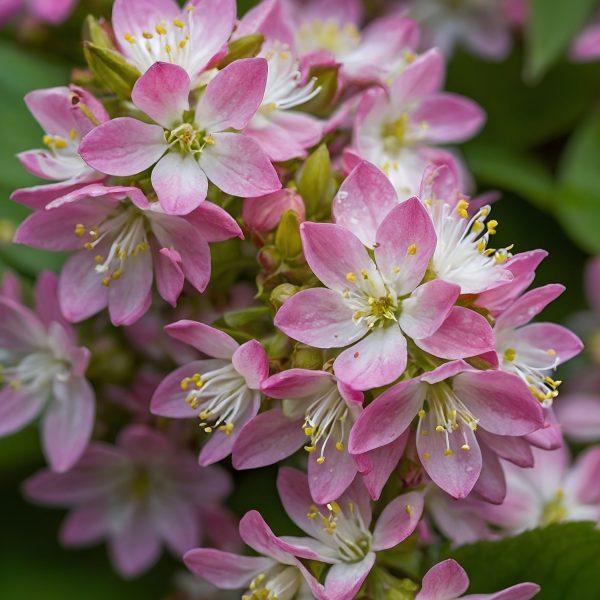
(123, 233)
(220, 395)
(61, 146)
(188, 139)
(329, 35)
(167, 41)
(373, 303)
(139, 486)
(554, 511)
(450, 414)
(324, 419)
(347, 531)
(278, 583)
(34, 372)
(462, 254)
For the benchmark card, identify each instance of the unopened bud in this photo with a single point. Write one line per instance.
(282, 292)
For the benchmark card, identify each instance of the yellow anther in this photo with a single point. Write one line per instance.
(98, 259)
(47, 139)
(465, 447)
(310, 449)
(116, 274)
(320, 460)
(309, 430)
(106, 281)
(500, 257)
(72, 133)
(408, 510)
(88, 246)
(510, 354)
(477, 226)
(491, 226)
(208, 429)
(59, 143)
(80, 229)
(178, 23)
(334, 507)
(351, 276)
(439, 428)
(424, 432)
(227, 428)
(284, 55)
(183, 42)
(411, 250)
(364, 274)
(190, 7)
(461, 209)
(160, 29)
(209, 140)
(168, 48)
(184, 384)
(421, 413)
(481, 245)
(448, 452)
(339, 446)
(129, 38)
(473, 425)
(147, 35)
(204, 414)
(551, 352)
(426, 456)
(396, 269)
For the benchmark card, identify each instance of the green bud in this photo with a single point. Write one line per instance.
(315, 183)
(277, 346)
(111, 69)
(95, 33)
(282, 292)
(326, 79)
(240, 318)
(287, 236)
(305, 357)
(244, 47)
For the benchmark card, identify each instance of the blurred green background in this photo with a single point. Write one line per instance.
(540, 148)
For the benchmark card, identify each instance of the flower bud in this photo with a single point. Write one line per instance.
(111, 69)
(287, 236)
(282, 292)
(315, 183)
(305, 357)
(244, 47)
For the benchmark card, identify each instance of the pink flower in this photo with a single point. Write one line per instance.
(262, 214)
(317, 407)
(125, 241)
(452, 403)
(378, 302)
(188, 150)
(140, 494)
(396, 129)
(586, 46)
(448, 581)
(66, 114)
(483, 27)
(275, 573)
(223, 392)
(284, 133)
(149, 31)
(52, 12)
(43, 369)
(340, 532)
(461, 256)
(531, 350)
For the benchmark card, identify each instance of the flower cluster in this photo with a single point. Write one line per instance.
(386, 341)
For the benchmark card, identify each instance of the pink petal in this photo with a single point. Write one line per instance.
(168, 273)
(405, 242)
(38, 196)
(529, 305)
(491, 485)
(427, 308)
(232, 98)
(17, 409)
(237, 165)
(463, 333)
(333, 252)
(135, 547)
(268, 18)
(500, 401)
(551, 341)
(296, 383)
(85, 525)
(250, 360)
(511, 448)
(176, 520)
(521, 591)
(206, 339)
(363, 201)
(387, 417)
(129, 296)
(444, 581)
(421, 78)
(225, 570)
(53, 110)
(345, 579)
(46, 299)
(592, 280)
(67, 425)
(267, 439)
(123, 146)
(320, 318)
(378, 359)
(257, 534)
(328, 481)
(213, 223)
(585, 476)
(448, 118)
(263, 213)
(397, 521)
(162, 93)
(179, 182)
(455, 472)
(579, 415)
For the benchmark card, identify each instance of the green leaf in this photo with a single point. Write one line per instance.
(563, 559)
(552, 24)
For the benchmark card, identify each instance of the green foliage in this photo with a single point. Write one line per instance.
(564, 559)
(245, 47)
(552, 24)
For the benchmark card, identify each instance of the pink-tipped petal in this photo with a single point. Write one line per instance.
(206, 339)
(345, 579)
(397, 521)
(328, 481)
(444, 581)
(250, 360)
(529, 305)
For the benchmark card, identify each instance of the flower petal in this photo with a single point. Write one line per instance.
(250, 360)
(206, 339)
(445, 581)
(345, 579)
(528, 306)
(18, 408)
(397, 521)
(328, 481)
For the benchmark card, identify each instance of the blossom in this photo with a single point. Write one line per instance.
(530, 350)
(377, 302)
(340, 534)
(461, 255)
(282, 132)
(188, 150)
(483, 27)
(447, 580)
(586, 46)
(140, 494)
(317, 407)
(52, 12)
(66, 114)
(396, 129)
(275, 573)
(222, 392)
(263, 213)
(124, 241)
(43, 371)
(160, 31)
(452, 403)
